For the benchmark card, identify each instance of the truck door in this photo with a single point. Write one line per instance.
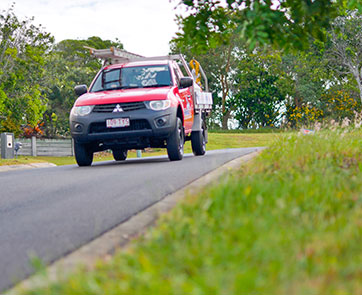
(187, 102)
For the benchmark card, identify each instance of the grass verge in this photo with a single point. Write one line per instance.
(287, 223)
(251, 130)
(216, 141)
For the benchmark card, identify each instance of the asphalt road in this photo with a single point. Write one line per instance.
(49, 212)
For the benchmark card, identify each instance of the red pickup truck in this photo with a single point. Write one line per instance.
(139, 103)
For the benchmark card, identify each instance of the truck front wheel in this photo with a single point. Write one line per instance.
(83, 154)
(175, 143)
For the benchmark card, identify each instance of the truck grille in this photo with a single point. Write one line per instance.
(125, 106)
(100, 127)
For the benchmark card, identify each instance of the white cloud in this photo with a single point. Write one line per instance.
(143, 26)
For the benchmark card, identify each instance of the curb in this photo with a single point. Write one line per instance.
(120, 236)
(6, 168)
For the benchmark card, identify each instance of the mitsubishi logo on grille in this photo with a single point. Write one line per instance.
(117, 109)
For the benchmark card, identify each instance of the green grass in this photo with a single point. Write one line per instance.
(288, 223)
(216, 141)
(259, 130)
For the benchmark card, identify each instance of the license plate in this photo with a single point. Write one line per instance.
(117, 122)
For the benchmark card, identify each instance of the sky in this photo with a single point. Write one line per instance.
(144, 27)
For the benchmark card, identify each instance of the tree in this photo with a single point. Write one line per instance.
(246, 85)
(285, 23)
(258, 90)
(344, 50)
(219, 65)
(301, 80)
(307, 76)
(22, 50)
(68, 65)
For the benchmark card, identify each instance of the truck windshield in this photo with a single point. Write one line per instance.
(133, 77)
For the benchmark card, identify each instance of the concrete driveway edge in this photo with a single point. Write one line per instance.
(6, 168)
(103, 246)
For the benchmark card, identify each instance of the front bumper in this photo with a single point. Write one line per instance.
(147, 128)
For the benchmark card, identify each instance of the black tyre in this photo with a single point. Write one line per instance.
(198, 142)
(120, 155)
(175, 143)
(83, 154)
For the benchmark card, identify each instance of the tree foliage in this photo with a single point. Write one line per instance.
(259, 93)
(23, 48)
(256, 92)
(285, 23)
(344, 49)
(247, 85)
(37, 77)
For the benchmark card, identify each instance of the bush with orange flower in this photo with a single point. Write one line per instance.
(30, 131)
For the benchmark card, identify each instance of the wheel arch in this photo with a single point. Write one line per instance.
(180, 114)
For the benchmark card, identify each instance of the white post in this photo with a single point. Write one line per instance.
(139, 153)
(33, 146)
(72, 147)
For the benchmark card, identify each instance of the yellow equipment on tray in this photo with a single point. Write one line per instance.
(195, 66)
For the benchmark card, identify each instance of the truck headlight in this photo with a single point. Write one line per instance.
(158, 105)
(82, 111)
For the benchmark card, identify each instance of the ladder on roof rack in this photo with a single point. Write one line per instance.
(113, 55)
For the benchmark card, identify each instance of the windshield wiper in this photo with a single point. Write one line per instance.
(108, 89)
(156, 85)
(129, 87)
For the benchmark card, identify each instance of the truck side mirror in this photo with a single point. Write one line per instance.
(80, 89)
(186, 82)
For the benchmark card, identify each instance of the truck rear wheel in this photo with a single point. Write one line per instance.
(83, 154)
(119, 155)
(198, 142)
(175, 143)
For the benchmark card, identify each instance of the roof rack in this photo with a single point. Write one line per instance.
(115, 55)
